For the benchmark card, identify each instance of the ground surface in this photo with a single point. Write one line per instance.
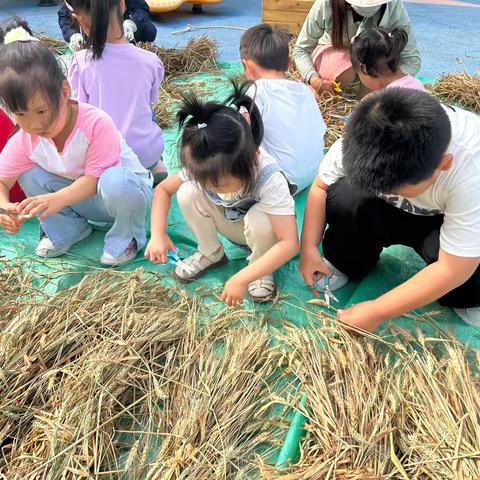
(446, 30)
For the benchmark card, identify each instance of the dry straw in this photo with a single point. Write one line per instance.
(199, 55)
(117, 378)
(461, 88)
(406, 409)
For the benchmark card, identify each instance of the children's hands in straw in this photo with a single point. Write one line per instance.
(158, 248)
(42, 206)
(234, 292)
(321, 85)
(362, 316)
(11, 223)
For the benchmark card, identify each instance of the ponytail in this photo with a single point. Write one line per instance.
(217, 140)
(339, 14)
(377, 49)
(239, 99)
(100, 12)
(398, 39)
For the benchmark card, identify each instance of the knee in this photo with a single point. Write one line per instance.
(119, 185)
(258, 224)
(147, 34)
(188, 194)
(38, 181)
(343, 200)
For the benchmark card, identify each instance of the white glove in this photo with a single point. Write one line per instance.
(129, 28)
(76, 42)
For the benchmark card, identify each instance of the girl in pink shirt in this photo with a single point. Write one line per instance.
(375, 55)
(68, 157)
(118, 77)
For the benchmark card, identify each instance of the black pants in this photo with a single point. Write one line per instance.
(360, 227)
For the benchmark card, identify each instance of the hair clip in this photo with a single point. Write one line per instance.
(18, 34)
(68, 5)
(201, 125)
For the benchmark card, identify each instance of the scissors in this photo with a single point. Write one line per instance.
(174, 259)
(344, 118)
(10, 213)
(328, 295)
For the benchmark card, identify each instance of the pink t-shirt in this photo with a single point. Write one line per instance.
(93, 146)
(124, 82)
(408, 82)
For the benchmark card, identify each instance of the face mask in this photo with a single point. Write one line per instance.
(366, 12)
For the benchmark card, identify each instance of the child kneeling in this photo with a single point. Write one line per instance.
(227, 186)
(407, 172)
(69, 159)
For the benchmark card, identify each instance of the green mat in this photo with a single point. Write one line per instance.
(397, 265)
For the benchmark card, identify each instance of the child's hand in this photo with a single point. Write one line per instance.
(321, 85)
(11, 223)
(42, 205)
(234, 292)
(158, 248)
(363, 316)
(312, 266)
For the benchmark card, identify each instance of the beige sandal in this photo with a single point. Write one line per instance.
(263, 289)
(198, 264)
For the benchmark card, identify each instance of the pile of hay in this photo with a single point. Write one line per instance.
(461, 88)
(58, 47)
(406, 408)
(118, 377)
(199, 55)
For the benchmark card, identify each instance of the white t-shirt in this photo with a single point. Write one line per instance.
(274, 196)
(294, 127)
(455, 193)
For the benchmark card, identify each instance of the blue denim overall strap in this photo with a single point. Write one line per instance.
(234, 210)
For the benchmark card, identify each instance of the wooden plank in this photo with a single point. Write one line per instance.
(271, 16)
(293, 28)
(288, 5)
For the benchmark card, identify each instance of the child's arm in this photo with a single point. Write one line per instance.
(312, 266)
(285, 229)
(51, 203)
(428, 285)
(160, 243)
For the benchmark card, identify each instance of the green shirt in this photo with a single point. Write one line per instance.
(317, 27)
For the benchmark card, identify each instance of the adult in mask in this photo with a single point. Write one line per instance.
(322, 48)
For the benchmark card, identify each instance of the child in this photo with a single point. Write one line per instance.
(407, 172)
(227, 186)
(119, 78)
(69, 158)
(136, 24)
(294, 127)
(376, 56)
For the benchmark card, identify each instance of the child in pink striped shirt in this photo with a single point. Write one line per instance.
(68, 157)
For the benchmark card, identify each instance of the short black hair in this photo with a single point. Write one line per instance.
(395, 137)
(378, 50)
(217, 140)
(267, 46)
(25, 68)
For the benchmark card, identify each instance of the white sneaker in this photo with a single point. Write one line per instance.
(335, 280)
(469, 315)
(46, 248)
(129, 254)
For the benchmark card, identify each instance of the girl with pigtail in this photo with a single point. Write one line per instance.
(228, 186)
(376, 55)
(117, 77)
